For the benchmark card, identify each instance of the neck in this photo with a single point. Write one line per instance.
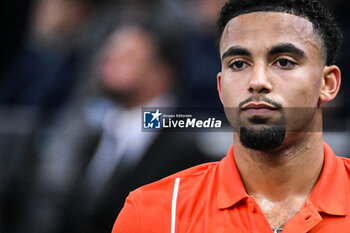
(288, 172)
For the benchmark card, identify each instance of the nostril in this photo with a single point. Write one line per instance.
(260, 89)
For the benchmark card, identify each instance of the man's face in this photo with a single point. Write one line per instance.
(272, 68)
(127, 61)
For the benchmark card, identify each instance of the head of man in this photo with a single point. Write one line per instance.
(135, 66)
(277, 68)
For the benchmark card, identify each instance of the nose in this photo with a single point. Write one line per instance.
(259, 81)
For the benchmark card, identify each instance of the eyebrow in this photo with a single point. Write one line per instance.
(234, 51)
(277, 49)
(286, 48)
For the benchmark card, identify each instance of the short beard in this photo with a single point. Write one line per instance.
(264, 139)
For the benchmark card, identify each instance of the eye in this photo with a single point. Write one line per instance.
(238, 65)
(285, 63)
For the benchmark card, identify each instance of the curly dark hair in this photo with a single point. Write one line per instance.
(322, 20)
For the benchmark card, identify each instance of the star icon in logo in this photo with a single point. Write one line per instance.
(156, 115)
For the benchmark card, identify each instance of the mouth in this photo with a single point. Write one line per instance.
(258, 108)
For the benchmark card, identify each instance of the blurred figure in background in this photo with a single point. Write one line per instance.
(100, 153)
(44, 71)
(34, 85)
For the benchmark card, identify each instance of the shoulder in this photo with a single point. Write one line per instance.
(153, 202)
(191, 182)
(188, 177)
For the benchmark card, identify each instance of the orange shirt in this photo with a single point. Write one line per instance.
(210, 198)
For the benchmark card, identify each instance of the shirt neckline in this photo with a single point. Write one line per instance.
(330, 194)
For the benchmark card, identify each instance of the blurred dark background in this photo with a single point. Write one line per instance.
(74, 75)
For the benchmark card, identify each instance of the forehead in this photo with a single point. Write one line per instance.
(265, 29)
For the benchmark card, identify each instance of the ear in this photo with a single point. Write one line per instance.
(330, 83)
(218, 78)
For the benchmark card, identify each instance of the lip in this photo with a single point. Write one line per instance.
(258, 108)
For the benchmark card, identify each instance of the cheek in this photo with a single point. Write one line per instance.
(301, 89)
(232, 90)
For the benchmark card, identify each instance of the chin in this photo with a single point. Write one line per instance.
(262, 137)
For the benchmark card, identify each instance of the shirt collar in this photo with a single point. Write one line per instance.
(231, 189)
(330, 194)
